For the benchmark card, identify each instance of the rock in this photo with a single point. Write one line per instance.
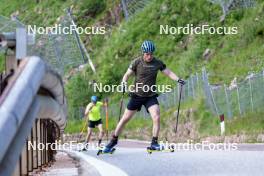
(174, 17)
(233, 84)
(164, 8)
(260, 138)
(206, 54)
(222, 18)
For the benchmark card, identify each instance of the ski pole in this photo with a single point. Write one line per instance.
(83, 128)
(106, 118)
(121, 105)
(179, 104)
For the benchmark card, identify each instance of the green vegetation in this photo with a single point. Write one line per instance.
(2, 62)
(45, 13)
(74, 126)
(208, 124)
(205, 124)
(93, 8)
(252, 123)
(230, 55)
(135, 124)
(36, 12)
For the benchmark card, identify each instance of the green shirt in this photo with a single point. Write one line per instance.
(95, 113)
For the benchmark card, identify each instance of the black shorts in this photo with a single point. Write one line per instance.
(93, 124)
(136, 102)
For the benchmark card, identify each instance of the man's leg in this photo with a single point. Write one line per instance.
(89, 134)
(155, 115)
(128, 114)
(101, 133)
(86, 143)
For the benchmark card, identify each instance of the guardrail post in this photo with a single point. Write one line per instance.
(34, 141)
(30, 152)
(11, 61)
(61, 136)
(39, 142)
(17, 169)
(48, 153)
(24, 160)
(11, 64)
(17, 42)
(45, 141)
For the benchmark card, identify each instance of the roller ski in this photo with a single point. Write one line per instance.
(109, 149)
(159, 148)
(86, 146)
(106, 151)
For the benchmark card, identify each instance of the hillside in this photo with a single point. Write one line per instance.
(224, 56)
(229, 56)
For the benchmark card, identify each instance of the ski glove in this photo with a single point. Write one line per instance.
(181, 81)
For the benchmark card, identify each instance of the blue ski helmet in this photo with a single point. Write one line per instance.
(148, 47)
(94, 99)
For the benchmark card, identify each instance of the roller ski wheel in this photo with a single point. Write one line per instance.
(103, 151)
(150, 150)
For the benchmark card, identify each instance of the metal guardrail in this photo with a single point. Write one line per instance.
(32, 106)
(59, 53)
(24, 102)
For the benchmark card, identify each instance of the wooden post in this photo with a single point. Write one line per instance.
(106, 117)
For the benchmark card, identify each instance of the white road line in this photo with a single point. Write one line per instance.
(104, 168)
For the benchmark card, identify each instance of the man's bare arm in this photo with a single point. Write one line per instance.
(128, 73)
(170, 74)
(88, 109)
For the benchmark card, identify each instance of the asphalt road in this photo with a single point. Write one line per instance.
(247, 160)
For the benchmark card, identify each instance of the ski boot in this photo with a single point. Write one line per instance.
(109, 149)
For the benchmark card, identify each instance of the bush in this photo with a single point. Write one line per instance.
(93, 7)
(2, 63)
